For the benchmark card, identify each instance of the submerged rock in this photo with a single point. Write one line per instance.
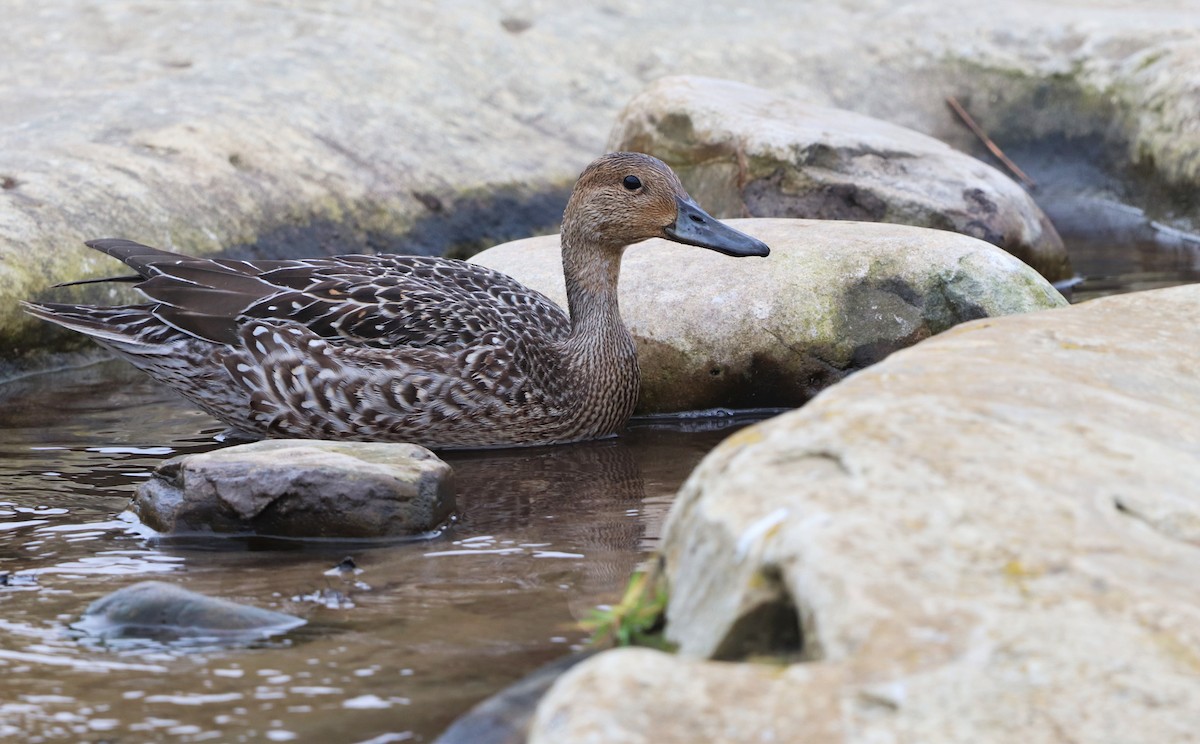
(504, 718)
(747, 152)
(991, 537)
(161, 611)
(300, 488)
(832, 298)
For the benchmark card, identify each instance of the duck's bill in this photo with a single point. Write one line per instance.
(694, 226)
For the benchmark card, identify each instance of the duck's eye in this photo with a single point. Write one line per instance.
(633, 183)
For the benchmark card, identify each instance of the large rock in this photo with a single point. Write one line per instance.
(161, 611)
(990, 537)
(832, 298)
(747, 152)
(311, 128)
(300, 488)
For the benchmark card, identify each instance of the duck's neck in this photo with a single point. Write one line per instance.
(599, 353)
(591, 277)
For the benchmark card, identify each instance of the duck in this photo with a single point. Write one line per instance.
(435, 351)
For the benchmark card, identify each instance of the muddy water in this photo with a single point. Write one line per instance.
(392, 653)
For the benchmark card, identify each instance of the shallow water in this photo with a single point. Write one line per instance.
(392, 653)
(1138, 263)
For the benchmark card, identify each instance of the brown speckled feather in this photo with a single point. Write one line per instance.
(435, 351)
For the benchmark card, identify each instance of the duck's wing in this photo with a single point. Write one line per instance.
(372, 301)
(415, 301)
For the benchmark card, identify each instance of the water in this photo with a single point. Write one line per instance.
(1133, 265)
(423, 631)
(391, 653)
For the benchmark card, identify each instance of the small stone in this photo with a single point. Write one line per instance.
(300, 488)
(346, 565)
(162, 611)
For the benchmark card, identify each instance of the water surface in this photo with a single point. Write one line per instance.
(391, 653)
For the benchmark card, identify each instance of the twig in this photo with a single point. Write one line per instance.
(743, 175)
(992, 147)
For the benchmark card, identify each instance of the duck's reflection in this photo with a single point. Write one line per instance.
(603, 500)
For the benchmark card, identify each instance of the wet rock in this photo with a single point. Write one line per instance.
(748, 152)
(161, 611)
(300, 488)
(141, 127)
(990, 537)
(504, 718)
(832, 298)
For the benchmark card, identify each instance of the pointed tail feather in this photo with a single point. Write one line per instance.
(130, 329)
(136, 256)
(101, 280)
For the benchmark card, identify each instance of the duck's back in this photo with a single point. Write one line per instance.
(381, 302)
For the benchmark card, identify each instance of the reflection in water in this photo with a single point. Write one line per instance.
(398, 646)
(504, 492)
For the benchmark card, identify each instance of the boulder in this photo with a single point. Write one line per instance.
(307, 130)
(161, 611)
(300, 488)
(747, 152)
(989, 537)
(832, 298)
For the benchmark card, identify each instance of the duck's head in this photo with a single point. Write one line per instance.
(627, 197)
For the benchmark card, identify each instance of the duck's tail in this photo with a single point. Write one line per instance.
(128, 329)
(140, 258)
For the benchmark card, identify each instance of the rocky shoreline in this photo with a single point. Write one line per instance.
(311, 131)
(982, 523)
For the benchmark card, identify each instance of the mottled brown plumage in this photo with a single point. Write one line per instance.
(439, 352)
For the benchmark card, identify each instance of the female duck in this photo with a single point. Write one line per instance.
(429, 350)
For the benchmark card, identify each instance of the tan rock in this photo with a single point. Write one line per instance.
(990, 537)
(639, 696)
(748, 152)
(832, 298)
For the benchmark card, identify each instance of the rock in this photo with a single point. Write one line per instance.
(748, 152)
(989, 537)
(640, 696)
(832, 298)
(504, 718)
(300, 488)
(307, 131)
(161, 611)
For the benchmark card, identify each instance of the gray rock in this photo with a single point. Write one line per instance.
(832, 298)
(300, 488)
(305, 130)
(990, 537)
(747, 152)
(161, 611)
(504, 718)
